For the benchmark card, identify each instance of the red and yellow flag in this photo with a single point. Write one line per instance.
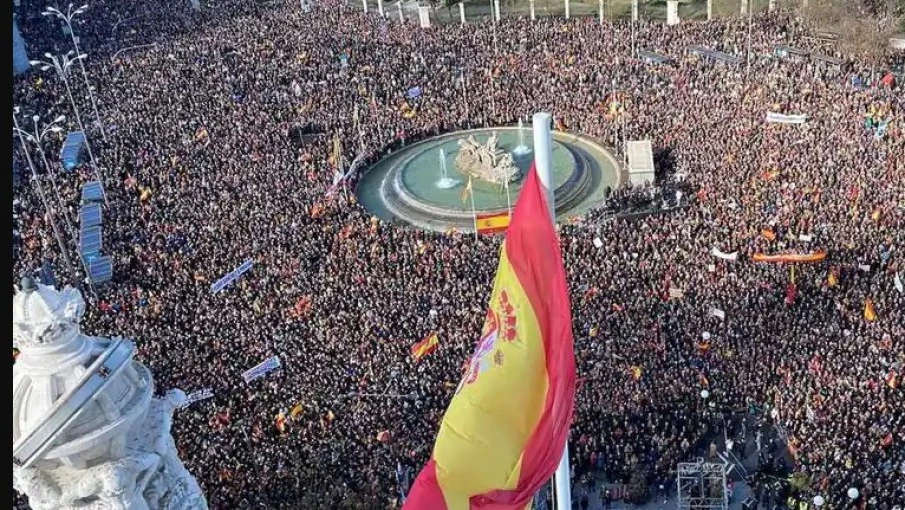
(426, 346)
(493, 223)
(790, 257)
(508, 422)
(636, 372)
(870, 313)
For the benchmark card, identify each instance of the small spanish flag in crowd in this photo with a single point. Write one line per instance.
(832, 279)
(426, 346)
(493, 223)
(768, 234)
(870, 313)
(296, 411)
(508, 422)
(636, 372)
(892, 379)
(281, 422)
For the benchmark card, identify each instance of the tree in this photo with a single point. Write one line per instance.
(863, 27)
(449, 5)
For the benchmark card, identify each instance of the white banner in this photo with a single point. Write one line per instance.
(805, 238)
(262, 369)
(716, 312)
(780, 118)
(197, 396)
(897, 281)
(723, 255)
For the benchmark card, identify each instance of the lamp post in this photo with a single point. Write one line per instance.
(461, 81)
(67, 19)
(61, 65)
(748, 64)
(254, 458)
(37, 137)
(53, 222)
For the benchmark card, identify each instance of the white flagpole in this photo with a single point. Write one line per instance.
(543, 159)
(508, 200)
(474, 214)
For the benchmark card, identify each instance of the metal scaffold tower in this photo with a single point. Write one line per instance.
(702, 485)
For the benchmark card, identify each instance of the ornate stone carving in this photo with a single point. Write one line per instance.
(487, 162)
(117, 452)
(42, 318)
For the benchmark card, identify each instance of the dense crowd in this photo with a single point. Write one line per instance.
(204, 169)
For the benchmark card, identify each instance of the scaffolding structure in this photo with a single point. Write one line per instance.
(702, 486)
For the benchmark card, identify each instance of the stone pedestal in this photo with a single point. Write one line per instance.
(87, 432)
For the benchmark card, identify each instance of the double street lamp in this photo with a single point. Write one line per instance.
(67, 19)
(64, 251)
(37, 137)
(61, 65)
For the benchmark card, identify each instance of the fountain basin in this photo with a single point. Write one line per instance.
(408, 186)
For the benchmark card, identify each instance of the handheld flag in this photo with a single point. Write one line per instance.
(636, 372)
(508, 422)
(493, 223)
(426, 346)
(870, 313)
(832, 280)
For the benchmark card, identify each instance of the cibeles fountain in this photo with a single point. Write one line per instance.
(88, 433)
(443, 182)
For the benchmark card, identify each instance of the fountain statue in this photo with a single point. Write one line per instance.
(486, 162)
(521, 149)
(445, 181)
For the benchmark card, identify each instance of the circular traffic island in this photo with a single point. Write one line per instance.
(426, 184)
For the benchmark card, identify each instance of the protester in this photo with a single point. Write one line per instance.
(219, 151)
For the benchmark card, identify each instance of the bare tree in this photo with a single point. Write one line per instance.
(863, 27)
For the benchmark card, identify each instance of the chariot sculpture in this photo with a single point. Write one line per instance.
(486, 162)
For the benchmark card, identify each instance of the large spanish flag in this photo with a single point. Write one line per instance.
(492, 223)
(507, 424)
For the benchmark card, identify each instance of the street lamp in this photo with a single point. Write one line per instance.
(67, 19)
(61, 65)
(37, 137)
(49, 211)
(254, 458)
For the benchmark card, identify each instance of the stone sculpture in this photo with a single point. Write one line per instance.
(486, 162)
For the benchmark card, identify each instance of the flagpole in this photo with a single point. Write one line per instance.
(474, 214)
(508, 200)
(543, 160)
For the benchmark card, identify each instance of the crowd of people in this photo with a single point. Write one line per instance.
(202, 172)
